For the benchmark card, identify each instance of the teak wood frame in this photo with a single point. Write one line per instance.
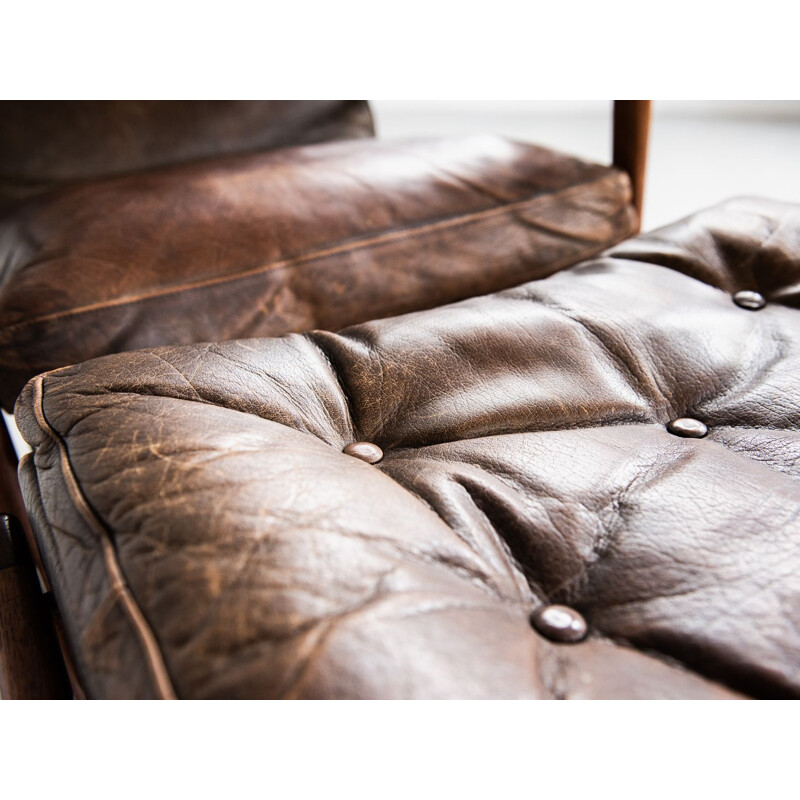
(31, 647)
(631, 135)
(31, 665)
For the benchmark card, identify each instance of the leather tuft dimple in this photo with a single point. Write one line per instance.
(752, 301)
(560, 624)
(688, 427)
(366, 451)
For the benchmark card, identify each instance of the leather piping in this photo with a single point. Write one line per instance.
(347, 247)
(119, 587)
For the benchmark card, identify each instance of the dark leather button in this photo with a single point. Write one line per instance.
(688, 427)
(750, 300)
(366, 451)
(560, 624)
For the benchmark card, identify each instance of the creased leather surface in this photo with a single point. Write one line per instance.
(526, 460)
(45, 143)
(315, 237)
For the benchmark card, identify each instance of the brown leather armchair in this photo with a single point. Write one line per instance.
(584, 486)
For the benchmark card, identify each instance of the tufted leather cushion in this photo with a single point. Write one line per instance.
(316, 237)
(45, 143)
(206, 536)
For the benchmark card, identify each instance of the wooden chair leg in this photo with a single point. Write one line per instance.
(31, 665)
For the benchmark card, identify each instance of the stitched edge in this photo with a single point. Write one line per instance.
(348, 247)
(119, 586)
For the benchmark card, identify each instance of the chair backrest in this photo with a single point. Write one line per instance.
(43, 143)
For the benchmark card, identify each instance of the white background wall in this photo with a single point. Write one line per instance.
(701, 152)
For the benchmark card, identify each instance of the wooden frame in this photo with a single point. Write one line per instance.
(31, 665)
(631, 134)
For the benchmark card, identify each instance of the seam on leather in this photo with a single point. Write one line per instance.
(119, 587)
(351, 246)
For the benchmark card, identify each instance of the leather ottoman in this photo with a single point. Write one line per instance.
(582, 487)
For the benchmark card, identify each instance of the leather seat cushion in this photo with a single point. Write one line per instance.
(46, 143)
(322, 236)
(206, 536)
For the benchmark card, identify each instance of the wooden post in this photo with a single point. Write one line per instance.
(631, 131)
(31, 665)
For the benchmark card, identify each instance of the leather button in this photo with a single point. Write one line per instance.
(688, 427)
(366, 451)
(749, 300)
(560, 624)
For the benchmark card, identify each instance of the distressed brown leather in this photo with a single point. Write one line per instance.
(206, 537)
(300, 238)
(45, 143)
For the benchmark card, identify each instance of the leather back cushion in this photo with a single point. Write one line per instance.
(206, 535)
(43, 143)
(321, 236)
